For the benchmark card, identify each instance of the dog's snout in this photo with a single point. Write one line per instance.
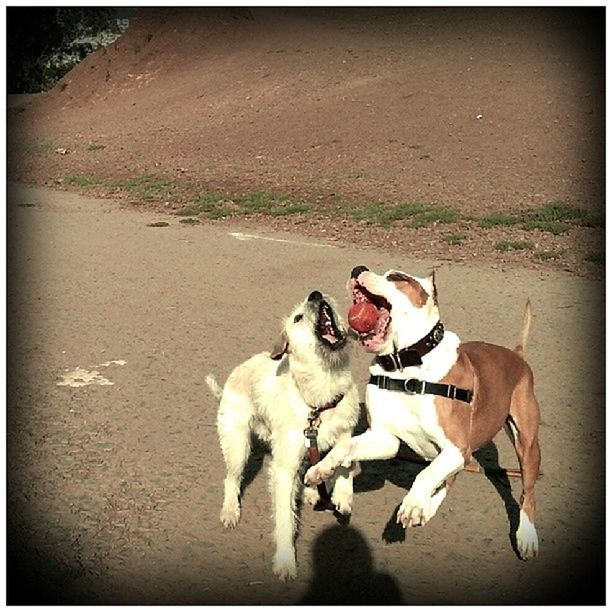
(315, 296)
(357, 270)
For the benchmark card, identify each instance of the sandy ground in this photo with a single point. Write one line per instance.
(115, 489)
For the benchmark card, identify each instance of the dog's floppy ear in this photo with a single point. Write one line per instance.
(281, 347)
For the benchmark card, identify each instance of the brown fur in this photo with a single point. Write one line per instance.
(502, 383)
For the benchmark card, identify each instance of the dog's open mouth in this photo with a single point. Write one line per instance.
(326, 328)
(372, 339)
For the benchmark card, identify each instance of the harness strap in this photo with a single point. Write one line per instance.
(414, 386)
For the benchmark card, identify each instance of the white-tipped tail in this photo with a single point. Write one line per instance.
(214, 386)
(527, 316)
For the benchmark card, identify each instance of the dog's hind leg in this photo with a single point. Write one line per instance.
(286, 458)
(523, 424)
(235, 439)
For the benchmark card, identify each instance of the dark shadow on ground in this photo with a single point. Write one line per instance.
(343, 572)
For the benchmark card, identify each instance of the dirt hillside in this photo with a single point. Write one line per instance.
(481, 110)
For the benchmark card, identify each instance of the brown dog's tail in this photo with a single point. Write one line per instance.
(527, 316)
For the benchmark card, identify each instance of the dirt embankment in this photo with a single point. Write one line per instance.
(482, 111)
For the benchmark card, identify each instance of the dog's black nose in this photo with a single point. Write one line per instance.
(357, 270)
(315, 296)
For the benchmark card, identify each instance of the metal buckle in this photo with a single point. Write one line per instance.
(411, 382)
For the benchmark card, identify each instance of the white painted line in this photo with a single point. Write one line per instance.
(80, 377)
(241, 236)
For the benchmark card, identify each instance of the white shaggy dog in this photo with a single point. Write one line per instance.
(274, 395)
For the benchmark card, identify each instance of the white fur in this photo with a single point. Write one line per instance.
(526, 537)
(398, 416)
(274, 399)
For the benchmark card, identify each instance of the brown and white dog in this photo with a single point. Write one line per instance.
(477, 389)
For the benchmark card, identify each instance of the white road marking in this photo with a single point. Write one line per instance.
(80, 377)
(241, 236)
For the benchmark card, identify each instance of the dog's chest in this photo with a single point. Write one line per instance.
(411, 418)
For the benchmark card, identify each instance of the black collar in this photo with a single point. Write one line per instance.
(414, 386)
(412, 355)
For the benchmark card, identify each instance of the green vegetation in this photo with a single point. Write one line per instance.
(454, 239)
(44, 43)
(81, 181)
(217, 205)
(144, 188)
(513, 245)
(554, 218)
(417, 213)
(547, 255)
(498, 220)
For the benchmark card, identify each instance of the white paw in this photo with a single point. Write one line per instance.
(343, 502)
(317, 474)
(230, 514)
(284, 566)
(415, 510)
(310, 496)
(526, 538)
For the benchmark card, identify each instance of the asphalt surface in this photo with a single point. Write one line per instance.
(115, 486)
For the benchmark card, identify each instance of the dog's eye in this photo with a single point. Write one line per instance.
(298, 318)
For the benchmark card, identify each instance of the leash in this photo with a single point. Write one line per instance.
(414, 386)
(310, 439)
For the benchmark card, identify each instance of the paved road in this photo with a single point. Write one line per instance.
(115, 486)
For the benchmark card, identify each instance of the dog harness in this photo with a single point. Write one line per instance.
(414, 386)
(310, 439)
(412, 355)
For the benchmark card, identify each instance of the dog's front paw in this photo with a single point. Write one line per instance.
(310, 496)
(415, 510)
(526, 538)
(284, 565)
(343, 503)
(230, 514)
(317, 474)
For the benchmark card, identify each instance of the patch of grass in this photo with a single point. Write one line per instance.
(292, 209)
(148, 188)
(417, 213)
(513, 245)
(454, 239)
(440, 215)
(554, 218)
(144, 188)
(498, 220)
(216, 205)
(81, 181)
(209, 205)
(547, 255)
